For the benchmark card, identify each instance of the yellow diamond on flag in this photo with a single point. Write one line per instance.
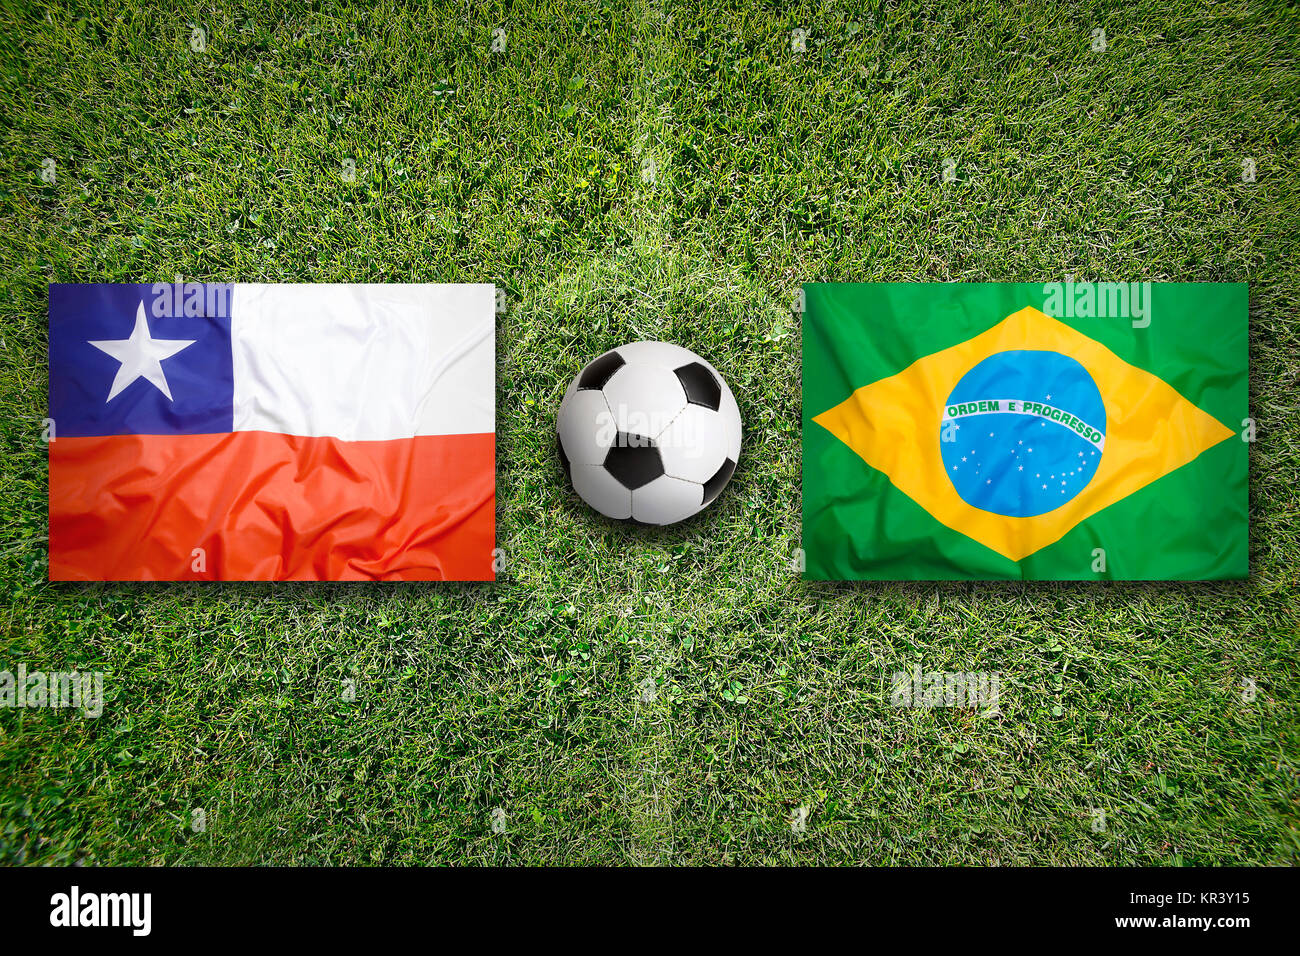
(899, 425)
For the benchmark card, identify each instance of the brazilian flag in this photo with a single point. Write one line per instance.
(1067, 431)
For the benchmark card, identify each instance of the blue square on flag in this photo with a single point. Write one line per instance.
(140, 360)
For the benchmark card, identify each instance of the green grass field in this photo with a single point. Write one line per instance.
(625, 695)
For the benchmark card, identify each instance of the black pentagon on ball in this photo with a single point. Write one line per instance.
(714, 485)
(701, 386)
(595, 375)
(634, 461)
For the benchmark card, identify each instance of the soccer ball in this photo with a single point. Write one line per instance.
(649, 432)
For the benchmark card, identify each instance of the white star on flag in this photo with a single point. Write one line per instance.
(140, 356)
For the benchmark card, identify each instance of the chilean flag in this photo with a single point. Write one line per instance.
(250, 432)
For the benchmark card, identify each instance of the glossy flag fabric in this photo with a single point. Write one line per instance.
(1077, 431)
(272, 432)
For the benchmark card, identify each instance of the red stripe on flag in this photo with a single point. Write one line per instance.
(269, 507)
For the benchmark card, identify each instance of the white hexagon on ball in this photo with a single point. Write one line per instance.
(649, 432)
(585, 431)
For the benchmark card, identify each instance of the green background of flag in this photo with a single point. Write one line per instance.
(1191, 524)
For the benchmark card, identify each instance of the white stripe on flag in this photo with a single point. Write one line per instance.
(364, 362)
(1016, 406)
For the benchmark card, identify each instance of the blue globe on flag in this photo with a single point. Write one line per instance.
(1023, 433)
